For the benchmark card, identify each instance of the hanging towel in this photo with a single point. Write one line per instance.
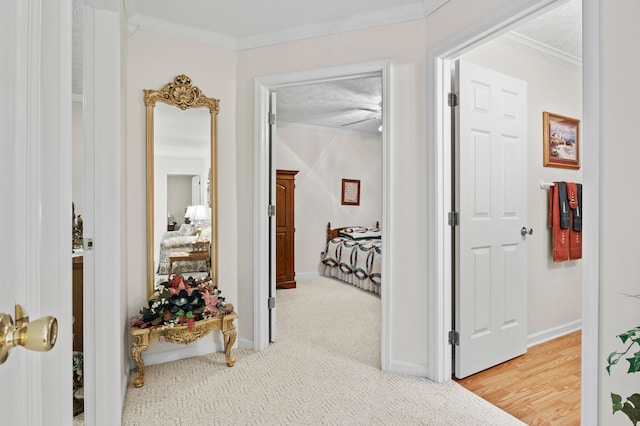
(577, 213)
(564, 209)
(560, 236)
(574, 194)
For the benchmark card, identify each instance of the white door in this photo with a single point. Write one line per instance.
(35, 214)
(491, 275)
(272, 218)
(196, 193)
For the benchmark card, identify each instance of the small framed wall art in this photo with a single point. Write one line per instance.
(561, 139)
(350, 192)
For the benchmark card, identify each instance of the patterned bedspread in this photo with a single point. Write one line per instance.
(357, 262)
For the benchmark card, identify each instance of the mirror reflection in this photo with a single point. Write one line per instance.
(181, 227)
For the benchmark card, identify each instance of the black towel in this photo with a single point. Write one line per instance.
(577, 212)
(563, 205)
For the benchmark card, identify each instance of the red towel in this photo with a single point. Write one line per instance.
(560, 236)
(575, 237)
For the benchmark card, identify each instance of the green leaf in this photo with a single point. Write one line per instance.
(628, 334)
(634, 363)
(189, 314)
(631, 407)
(616, 402)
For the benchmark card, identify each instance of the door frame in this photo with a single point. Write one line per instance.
(440, 186)
(262, 89)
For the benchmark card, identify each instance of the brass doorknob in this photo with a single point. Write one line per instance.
(39, 335)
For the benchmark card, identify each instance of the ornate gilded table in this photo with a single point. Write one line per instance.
(181, 334)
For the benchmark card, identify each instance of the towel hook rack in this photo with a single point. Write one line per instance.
(546, 185)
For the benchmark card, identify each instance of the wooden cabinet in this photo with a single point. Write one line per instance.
(285, 229)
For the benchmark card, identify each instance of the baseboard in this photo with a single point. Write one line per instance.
(553, 333)
(408, 369)
(125, 386)
(303, 275)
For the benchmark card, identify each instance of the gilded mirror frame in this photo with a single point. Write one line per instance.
(181, 94)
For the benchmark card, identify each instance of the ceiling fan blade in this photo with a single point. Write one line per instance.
(360, 121)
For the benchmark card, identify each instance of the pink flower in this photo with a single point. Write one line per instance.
(210, 303)
(176, 284)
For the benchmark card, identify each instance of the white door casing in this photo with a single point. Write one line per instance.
(272, 218)
(439, 262)
(491, 162)
(263, 86)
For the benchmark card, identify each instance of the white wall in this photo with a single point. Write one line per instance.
(555, 289)
(152, 61)
(77, 157)
(323, 158)
(620, 150)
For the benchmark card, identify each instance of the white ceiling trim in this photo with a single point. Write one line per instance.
(149, 23)
(364, 20)
(542, 50)
(136, 21)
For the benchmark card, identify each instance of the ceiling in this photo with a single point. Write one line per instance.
(244, 24)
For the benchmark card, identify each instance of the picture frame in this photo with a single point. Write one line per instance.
(561, 141)
(350, 192)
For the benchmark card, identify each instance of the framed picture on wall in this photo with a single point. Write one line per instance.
(561, 139)
(350, 192)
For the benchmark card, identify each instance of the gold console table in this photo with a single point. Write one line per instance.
(181, 334)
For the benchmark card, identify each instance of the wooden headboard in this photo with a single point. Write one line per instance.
(333, 233)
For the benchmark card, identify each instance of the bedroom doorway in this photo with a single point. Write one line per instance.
(440, 60)
(264, 89)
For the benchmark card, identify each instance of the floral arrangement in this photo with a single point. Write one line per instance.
(182, 301)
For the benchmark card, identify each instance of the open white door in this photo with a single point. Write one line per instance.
(272, 218)
(35, 171)
(491, 275)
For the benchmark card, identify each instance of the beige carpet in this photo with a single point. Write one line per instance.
(324, 369)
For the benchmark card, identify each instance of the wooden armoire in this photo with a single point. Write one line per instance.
(285, 229)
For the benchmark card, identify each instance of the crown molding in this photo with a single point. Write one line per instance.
(417, 10)
(157, 25)
(357, 22)
(544, 51)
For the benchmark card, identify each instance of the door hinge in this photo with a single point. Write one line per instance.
(453, 218)
(454, 338)
(452, 100)
(272, 119)
(271, 302)
(271, 210)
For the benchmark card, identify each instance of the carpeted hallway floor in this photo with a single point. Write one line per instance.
(324, 369)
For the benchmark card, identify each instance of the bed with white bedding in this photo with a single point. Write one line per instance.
(353, 254)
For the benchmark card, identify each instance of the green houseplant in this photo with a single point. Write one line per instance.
(631, 342)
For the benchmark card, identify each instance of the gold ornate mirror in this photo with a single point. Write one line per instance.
(182, 225)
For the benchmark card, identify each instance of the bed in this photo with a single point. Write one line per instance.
(181, 241)
(353, 254)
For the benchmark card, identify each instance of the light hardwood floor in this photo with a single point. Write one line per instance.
(541, 387)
